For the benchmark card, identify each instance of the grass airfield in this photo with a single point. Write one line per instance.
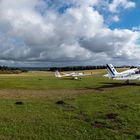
(92, 108)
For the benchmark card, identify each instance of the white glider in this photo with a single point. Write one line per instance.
(73, 75)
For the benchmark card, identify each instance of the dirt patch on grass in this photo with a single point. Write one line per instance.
(137, 137)
(19, 103)
(60, 102)
(108, 120)
(65, 106)
(112, 116)
(43, 94)
(98, 124)
(82, 116)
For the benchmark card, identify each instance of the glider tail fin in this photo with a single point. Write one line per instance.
(57, 74)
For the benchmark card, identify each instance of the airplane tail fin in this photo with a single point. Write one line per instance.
(111, 70)
(57, 74)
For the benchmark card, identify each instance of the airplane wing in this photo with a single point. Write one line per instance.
(87, 74)
(131, 77)
(131, 71)
(81, 75)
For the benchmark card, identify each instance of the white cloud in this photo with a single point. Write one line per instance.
(78, 34)
(137, 28)
(115, 18)
(117, 4)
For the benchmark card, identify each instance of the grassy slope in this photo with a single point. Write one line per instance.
(111, 112)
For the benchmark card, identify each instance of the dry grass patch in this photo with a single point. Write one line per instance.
(42, 94)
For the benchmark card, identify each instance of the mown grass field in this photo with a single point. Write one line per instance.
(37, 106)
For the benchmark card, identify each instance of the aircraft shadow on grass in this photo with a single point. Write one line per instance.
(107, 85)
(68, 79)
(116, 84)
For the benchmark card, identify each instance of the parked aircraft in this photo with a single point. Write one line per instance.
(113, 71)
(131, 74)
(73, 75)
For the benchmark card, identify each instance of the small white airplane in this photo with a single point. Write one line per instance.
(131, 74)
(73, 75)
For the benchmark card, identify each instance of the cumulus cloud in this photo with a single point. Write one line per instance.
(37, 31)
(115, 18)
(117, 4)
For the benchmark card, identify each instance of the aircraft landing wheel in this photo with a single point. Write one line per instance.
(76, 78)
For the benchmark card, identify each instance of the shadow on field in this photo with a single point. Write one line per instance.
(116, 84)
(68, 79)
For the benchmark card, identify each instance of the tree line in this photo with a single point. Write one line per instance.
(6, 68)
(75, 68)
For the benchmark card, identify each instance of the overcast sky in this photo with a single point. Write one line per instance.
(69, 32)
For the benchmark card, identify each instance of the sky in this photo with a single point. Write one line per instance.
(69, 32)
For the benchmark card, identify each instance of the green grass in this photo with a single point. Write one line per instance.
(49, 82)
(105, 110)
